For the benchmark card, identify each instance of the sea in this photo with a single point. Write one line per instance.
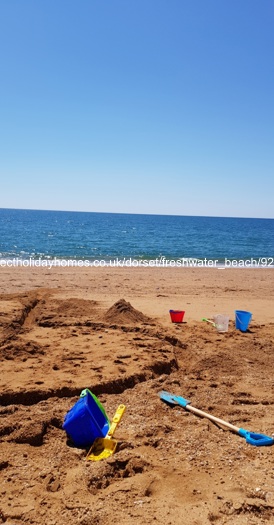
(102, 239)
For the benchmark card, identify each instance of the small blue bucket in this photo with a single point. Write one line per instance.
(86, 420)
(242, 320)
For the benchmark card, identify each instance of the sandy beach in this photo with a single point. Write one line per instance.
(109, 330)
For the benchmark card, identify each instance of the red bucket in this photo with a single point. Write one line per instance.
(176, 316)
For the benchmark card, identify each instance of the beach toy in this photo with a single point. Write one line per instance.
(221, 322)
(86, 420)
(104, 447)
(177, 316)
(242, 320)
(258, 440)
(208, 321)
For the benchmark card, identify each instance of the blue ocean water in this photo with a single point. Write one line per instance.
(104, 236)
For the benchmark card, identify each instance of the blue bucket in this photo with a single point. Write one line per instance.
(86, 420)
(242, 320)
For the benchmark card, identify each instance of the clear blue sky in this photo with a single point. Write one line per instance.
(142, 106)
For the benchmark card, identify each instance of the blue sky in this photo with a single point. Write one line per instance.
(144, 106)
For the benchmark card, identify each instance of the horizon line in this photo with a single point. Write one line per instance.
(142, 214)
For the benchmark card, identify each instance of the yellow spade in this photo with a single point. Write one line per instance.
(104, 447)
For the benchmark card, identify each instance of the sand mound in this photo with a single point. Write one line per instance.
(123, 312)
